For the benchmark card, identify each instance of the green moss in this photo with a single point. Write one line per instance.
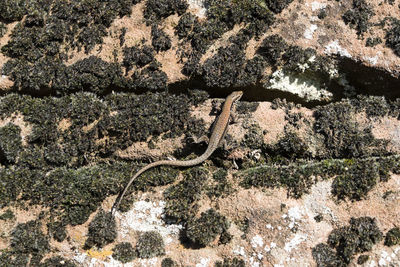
(77, 193)
(159, 39)
(277, 5)
(9, 258)
(342, 135)
(151, 78)
(181, 198)
(63, 166)
(345, 242)
(362, 259)
(7, 215)
(230, 262)
(221, 186)
(204, 230)
(223, 69)
(14, 182)
(124, 252)
(324, 256)
(40, 43)
(57, 261)
(186, 25)
(392, 37)
(220, 175)
(150, 244)
(57, 230)
(168, 262)
(357, 181)
(252, 71)
(392, 237)
(272, 48)
(10, 143)
(3, 29)
(133, 123)
(94, 75)
(222, 16)
(12, 10)
(290, 146)
(254, 137)
(135, 56)
(246, 107)
(371, 42)
(28, 239)
(156, 10)
(354, 177)
(358, 17)
(359, 236)
(102, 230)
(318, 218)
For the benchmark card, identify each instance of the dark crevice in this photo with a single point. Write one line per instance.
(252, 93)
(365, 80)
(370, 81)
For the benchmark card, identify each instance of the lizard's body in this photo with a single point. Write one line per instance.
(217, 135)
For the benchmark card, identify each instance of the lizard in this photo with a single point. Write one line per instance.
(217, 135)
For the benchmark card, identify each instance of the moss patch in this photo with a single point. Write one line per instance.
(57, 261)
(230, 262)
(124, 252)
(63, 166)
(159, 39)
(10, 143)
(150, 244)
(40, 46)
(353, 180)
(28, 243)
(220, 185)
(11, 10)
(168, 262)
(156, 10)
(181, 198)
(204, 230)
(102, 230)
(358, 17)
(393, 37)
(3, 29)
(342, 135)
(7, 215)
(392, 237)
(345, 242)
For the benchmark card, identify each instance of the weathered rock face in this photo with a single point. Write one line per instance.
(93, 90)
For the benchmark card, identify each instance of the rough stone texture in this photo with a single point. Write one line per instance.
(315, 144)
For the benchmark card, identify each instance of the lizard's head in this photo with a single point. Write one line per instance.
(236, 95)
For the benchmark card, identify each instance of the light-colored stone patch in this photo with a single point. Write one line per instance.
(271, 121)
(197, 7)
(136, 31)
(64, 124)
(146, 216)
(5, 82)
(388, 128)
(335, 48)
(169, 59)
(306, 89)
(141, 150)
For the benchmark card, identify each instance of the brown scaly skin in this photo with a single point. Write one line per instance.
(219, 130)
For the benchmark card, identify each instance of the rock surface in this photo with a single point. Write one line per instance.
(93, 90)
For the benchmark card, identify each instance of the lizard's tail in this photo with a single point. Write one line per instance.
(142, 170)
(179, 163)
